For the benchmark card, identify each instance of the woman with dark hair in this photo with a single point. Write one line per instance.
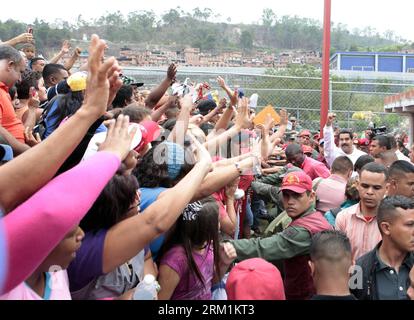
(190, 263)
(117, 202)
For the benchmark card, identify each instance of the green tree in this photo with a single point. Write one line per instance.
(246, 40)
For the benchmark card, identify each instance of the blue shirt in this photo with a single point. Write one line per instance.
(148, 197)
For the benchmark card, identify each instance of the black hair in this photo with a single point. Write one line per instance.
(151, 174)
(362, 161)
(342, 165)
(51, 69)
(34, 60)
(376, 168)
(123, 96)
(112, 205)
(330, 245)
(347, 131)
(400, 168)
(68, 105)
(388, 206)
(193, 234)
(392, 142)
(9, 53)
(29, 79)
(383, 141)
(206, 106)
(293, 149)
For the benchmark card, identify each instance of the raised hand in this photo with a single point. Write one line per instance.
(222, 104)
(234, 98)
(65, 47)
(221, 82)
(118, 139)
(186, 102)
(243, 120)
(172, 73)
(331, 119)
(77, 52)
(99, 75)
(269, 124)
(284, 117)
(22, 38)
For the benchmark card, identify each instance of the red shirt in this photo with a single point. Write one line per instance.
(8, 118)
(315, 169)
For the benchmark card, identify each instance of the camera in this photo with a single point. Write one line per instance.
(377, 131)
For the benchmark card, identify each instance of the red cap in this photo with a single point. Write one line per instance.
(298, 182)
(150, 131)
(255, 279)
(363, 142)
(304, 133)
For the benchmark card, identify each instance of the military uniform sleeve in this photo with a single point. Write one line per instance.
(267, 191)
(291, 242)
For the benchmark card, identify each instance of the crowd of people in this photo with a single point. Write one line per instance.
(102, 183)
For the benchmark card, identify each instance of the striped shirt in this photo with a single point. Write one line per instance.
(364, 235)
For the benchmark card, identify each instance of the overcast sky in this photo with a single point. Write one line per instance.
(393, 15)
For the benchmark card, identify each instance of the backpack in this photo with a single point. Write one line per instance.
(40, 128)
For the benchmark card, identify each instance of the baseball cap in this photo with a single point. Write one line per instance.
(6, 152)
(363, 142)
(131, 81)
(298, 182)
(304, 133)
(147, 132)
(255, 279)
(77, 81)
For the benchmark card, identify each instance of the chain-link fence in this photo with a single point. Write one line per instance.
(357, 103)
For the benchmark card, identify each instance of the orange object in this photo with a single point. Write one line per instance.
(261, 117)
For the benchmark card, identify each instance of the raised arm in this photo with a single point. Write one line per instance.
(157, 93)
(122, 241)
(180, 128)
(282, 127)
(242, 121)
(329, 140)
(22, 38)
(64, 50)
(75, 56)
(46, 217)
(53, 151)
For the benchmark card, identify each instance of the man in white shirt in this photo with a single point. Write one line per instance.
(346, 144)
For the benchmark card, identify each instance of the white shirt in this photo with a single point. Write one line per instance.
(332, 152)
(401, 156)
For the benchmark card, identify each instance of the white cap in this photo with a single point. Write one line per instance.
(101, 136)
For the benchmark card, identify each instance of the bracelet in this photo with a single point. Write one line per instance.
(238, 168)
(157, 286)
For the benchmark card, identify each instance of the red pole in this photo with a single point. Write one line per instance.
(325, 64)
